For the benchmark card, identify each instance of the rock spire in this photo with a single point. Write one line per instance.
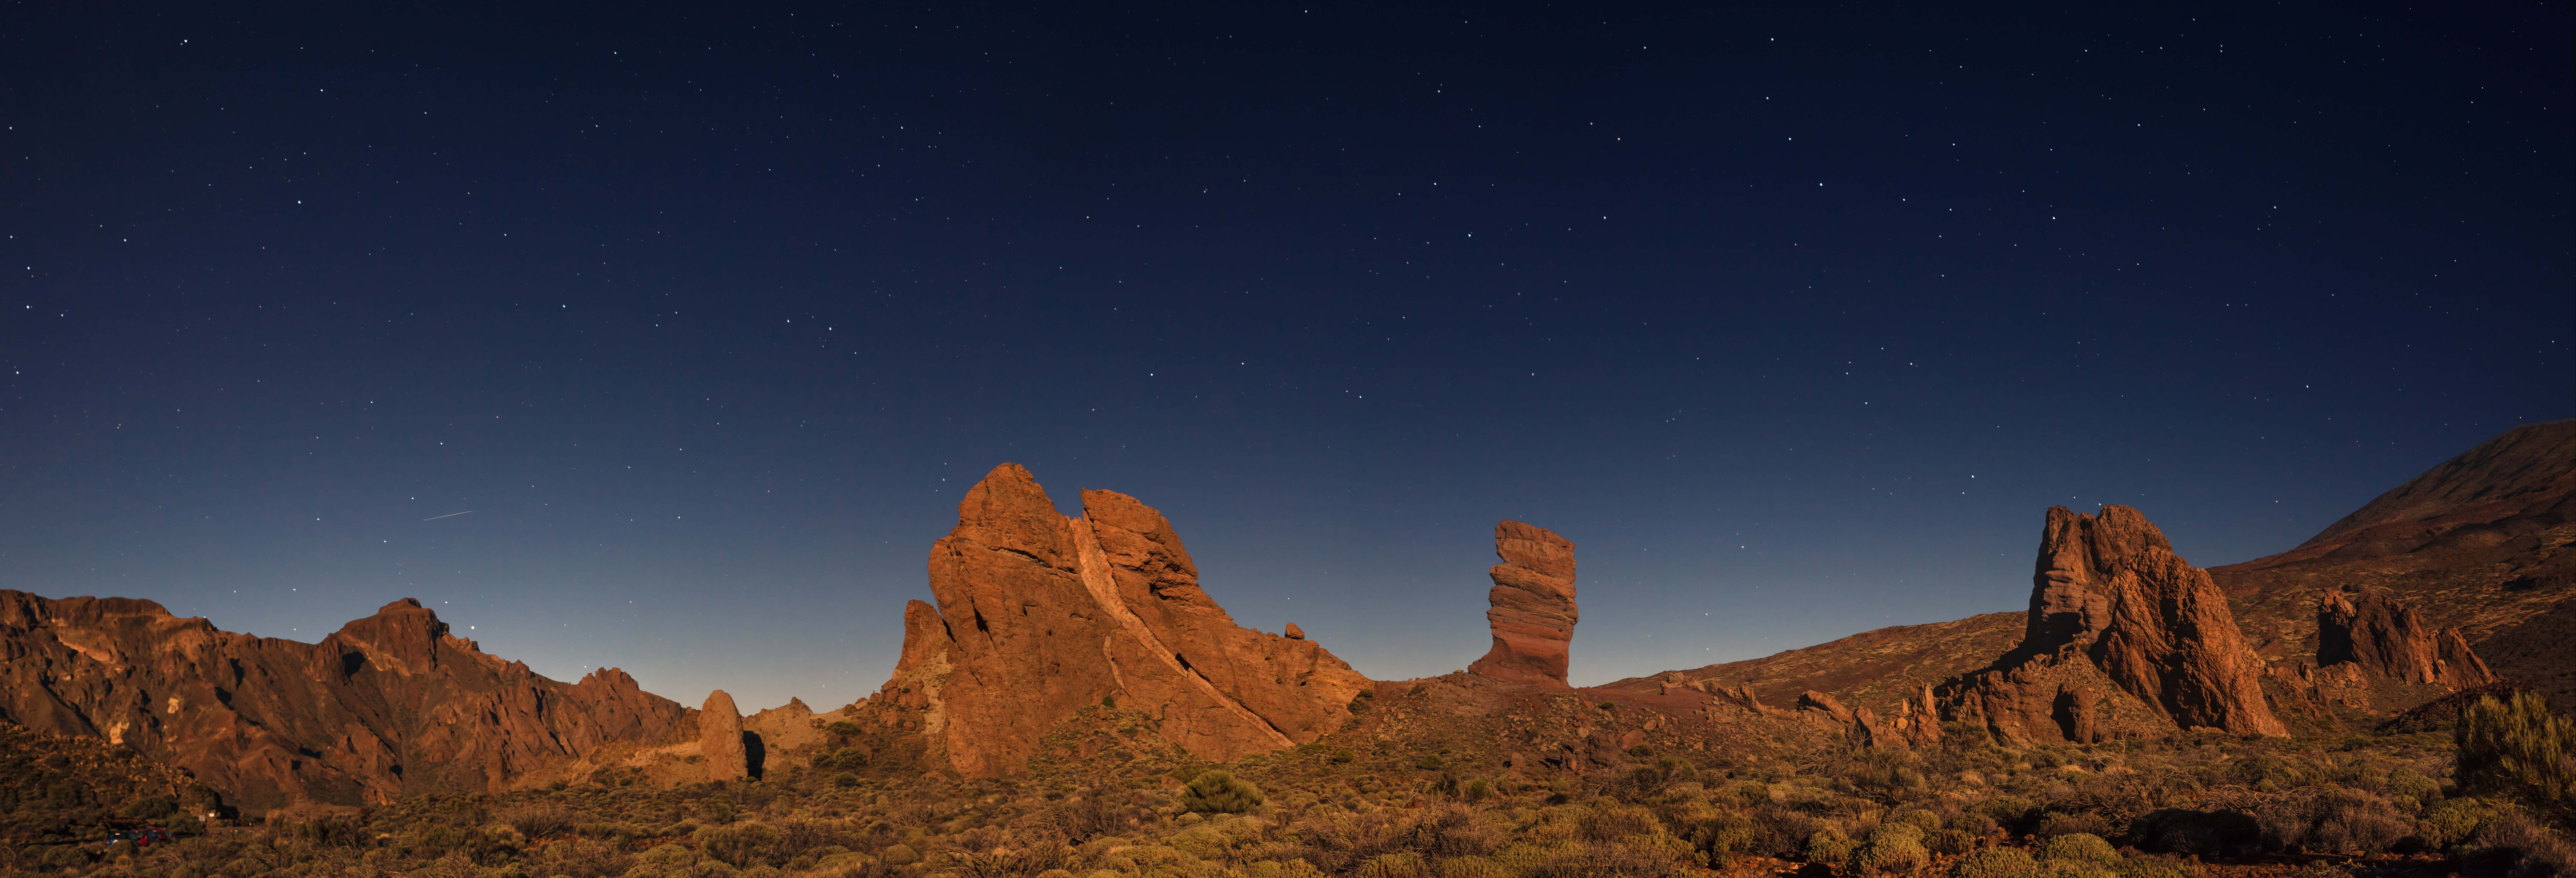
(2387, 638)
(1039, 616)
(720, 738)
(1533, 612)
(2114, 612)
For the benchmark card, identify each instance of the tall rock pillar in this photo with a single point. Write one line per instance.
(1533, 612)
(720, 739)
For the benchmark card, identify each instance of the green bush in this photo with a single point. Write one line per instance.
(1828, 846)
(1890, 850)
(2450, 823)
(1995, 863)
(2519, 748)
(737, 845)
(844, 759)
(1428, 762)
(1217, 792)
(1926, 820)
(899, 855)
(2078, 847)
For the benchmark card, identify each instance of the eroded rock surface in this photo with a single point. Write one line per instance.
(720, 738)
(389, 705)
(2387, 638)
(1533, 612)
(2111, 594)
(1040, 616)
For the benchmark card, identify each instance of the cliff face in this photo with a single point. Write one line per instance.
(1039, 616)
(389, 705)
(2112, 604)
(1533, 611)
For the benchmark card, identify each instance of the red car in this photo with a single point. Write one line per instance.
(142, 838)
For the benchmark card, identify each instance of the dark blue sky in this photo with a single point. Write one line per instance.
(1794, 321)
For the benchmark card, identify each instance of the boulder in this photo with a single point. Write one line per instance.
(1533, 611)
(2116, 615)
(720, 739)
(1294, 632)
(1039, 616)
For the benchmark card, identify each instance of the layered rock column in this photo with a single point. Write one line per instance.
(1533, 612)
(2112, 604)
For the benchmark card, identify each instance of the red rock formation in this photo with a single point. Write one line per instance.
(2111, 591)
(389, 705)
(720, 738)
(2386, 638)
(1533, 612)
(1040, 616)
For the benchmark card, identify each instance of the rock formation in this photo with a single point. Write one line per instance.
(2386, 638)
(1533, 612)
(2112, 604)
(389, 705)
(1040, 616)
(720, 739)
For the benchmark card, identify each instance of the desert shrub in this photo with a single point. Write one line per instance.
(1725, 834)
(1779, 831)
(1087, 817)
(2197, 833)
(1996, 862)
(2450, 823)
(1883, 776)
(845, 780)
(1218, 792)
(2519, 748)
(899, 855)
(148, 808)
(1891, 848)
(582, 858)
(1476, 790)
(844, 759)
(1950, 842)
(2333, 820)
(1454, 831)
(2078, 847)
(1342, 756)
(2056, 823)
(538, 819)
(1609, 822)
(2008, 812)
(1401, 864)
(1596, 860)
(2271, 772)
(1926, 820)
(2510, 844)
(739, 844)
(1333, 845)
(1828, 845)
(2414, 785)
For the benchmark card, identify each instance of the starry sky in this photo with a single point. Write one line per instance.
(694, 321)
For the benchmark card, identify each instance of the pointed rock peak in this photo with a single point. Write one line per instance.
(1533, 611)
(1008, 510)
(401, 605)
(1124, 512)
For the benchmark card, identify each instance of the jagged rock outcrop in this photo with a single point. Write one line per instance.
(2387, 638)
(2115, 615)
(1040, 616)
(720, 739)
(1533, 612)
(389, 705)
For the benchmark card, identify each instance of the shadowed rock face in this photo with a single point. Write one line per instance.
(389, 705)
(1533, 612)
(2386, 638)
(2110, 591)
(1039, 616)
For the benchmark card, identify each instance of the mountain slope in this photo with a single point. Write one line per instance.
(389, 705)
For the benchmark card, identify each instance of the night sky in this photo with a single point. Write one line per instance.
(706, 315)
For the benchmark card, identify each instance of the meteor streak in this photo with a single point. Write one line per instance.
(449, 515)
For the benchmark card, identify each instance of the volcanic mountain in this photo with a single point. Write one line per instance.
(2480, 544)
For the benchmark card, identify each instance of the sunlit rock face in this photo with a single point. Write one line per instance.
(1039, 616)
(390, 705)
(1533, 612)
(2123, 637)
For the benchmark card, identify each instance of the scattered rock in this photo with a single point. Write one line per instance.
(1533, 611)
